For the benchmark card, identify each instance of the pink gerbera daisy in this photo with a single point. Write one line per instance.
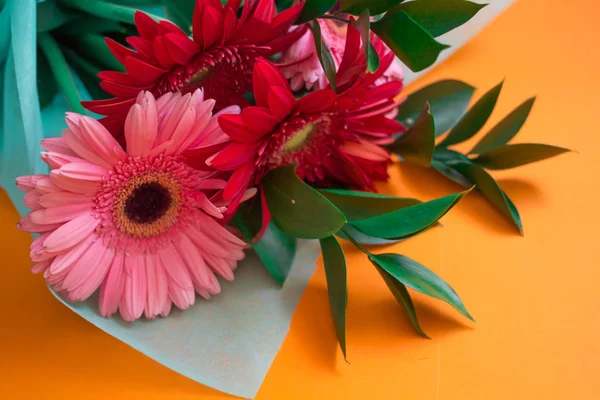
(300, 63)
(139, 224)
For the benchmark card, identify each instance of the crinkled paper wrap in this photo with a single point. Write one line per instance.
(227, 343)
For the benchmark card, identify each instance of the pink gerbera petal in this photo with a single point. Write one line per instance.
(113, 218)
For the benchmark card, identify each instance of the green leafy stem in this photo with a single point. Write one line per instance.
(301, 211)
(442, 107)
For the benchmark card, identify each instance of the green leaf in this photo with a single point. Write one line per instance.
(448, 100)
(94, 47)
(363, 26)
(402, 296)
(60, 71)
(298, 209)
(355, 7)
(87, 73)
(284, 4)
(361, 238)
(46, 84)
(137, 3)
(325, 57)
(314, 8)
(91, 83)
(275, 249)
(515, 155)
(442, 157)
(337, 288)
(50, 16)
(408, 40)
(89, 24)
(489, 188)
(474, 119)
(410, 220)
(106, 10)
(506, 129)
(372, 59)
(180, 12)
(419, 278)
(448, 155)
(417, 144)
(450, 173)
(440, 16)
(360, 205)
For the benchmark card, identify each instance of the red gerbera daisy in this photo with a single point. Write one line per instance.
(334, 139)
(219, 59)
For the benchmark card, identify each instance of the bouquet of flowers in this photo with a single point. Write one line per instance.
(230, 125)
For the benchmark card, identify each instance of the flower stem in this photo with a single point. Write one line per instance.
(106, 10)
(61, 71)
(355, 243)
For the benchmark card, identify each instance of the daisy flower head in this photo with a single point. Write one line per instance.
(217, 58)
(139, 224)
(334, 138)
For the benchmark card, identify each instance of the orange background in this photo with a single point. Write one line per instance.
(535, 298)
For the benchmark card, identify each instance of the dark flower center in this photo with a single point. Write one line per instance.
(224, 73)
(147, 203)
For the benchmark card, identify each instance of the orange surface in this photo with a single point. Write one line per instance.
(535, 298)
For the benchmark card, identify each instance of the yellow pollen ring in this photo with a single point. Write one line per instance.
(198, 77)
(299, 138)
(162, 224)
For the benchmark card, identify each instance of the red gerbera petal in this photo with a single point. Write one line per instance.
(266, 215)
(146, 26)
(259, 119)
(116, 77)
(281, 101)
(118, 50)
(165, 27)
(212, 25)
(109, 106)
(266, 75)
(119, 90)
(142, 45)
(239, 182)
(219, 59)
(234, 156)
(142, 72)
(197, 157)
(317, 101)
(161, 53)
(180, 48)
(233, 125)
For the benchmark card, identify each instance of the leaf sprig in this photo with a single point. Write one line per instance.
(446, 103)
(301, 211)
